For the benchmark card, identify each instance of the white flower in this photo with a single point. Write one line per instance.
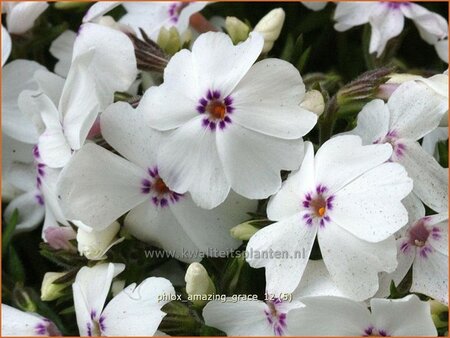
(135, 311)
(424, 246)
(19, 323)
(97, 187)
(332, 316)
(270, 27)
(232, 125)
(387, 20)
(150, 16)
(6, 45)
(412, 111)
(441, 47)
(103, 62)
(93, 244)
(20, 16)
(351, 199)
(251, 317)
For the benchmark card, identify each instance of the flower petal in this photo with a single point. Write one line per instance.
(283, 249)
(99, 9)
(370, 207)
(373, 122)
(92, 287)
(353, 263)
(347, 159)
(242, 318)
(403, 317)
(442, 49)
(430, 179)
(114, 64)
(210, 229)
(62, 49)
(160, 228)
(351, 14)
(136, 311)
(316, 281)
(386, 23)
(253, 161)
(97, 187)
(31, 212)
(439, 221)
(188, 161)
(342, 316)
(267, 100)
(415, 110)
(173, 103)
(430, 276)
(22, 16)
(286, 202)
(17, 76)
(6, 45)
(19, 323)
(125, 130)
(219, 64)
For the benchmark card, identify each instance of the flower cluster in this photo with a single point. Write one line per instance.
(171, 153)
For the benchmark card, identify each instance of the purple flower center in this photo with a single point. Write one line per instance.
(393, 139)
(318, 204)
(372, 331)
(217, 110)
(96, 326)
(160, 193)
(276, 316)
(418, 236)
(46, 328)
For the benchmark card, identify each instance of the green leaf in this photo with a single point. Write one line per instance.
(8, 231)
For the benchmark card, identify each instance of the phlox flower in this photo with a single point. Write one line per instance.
(422, 245)
(95, 74)
(135, 311)
(350, 199)
(250, 317)
(149, 16)
(333, 316)
(386, 19)
(19, 323)
(97, 187)
(412, 111)
(228, 123)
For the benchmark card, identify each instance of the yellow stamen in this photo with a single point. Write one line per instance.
(321, 211)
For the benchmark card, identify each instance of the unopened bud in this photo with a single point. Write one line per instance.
(59, 238)
(94, 244)
(50, 290)
(198, 282)
(237, 30)
(270, 27)
(314, 102)
(169, 40)
(243, 231)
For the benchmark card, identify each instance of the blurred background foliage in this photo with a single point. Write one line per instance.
(326, 59)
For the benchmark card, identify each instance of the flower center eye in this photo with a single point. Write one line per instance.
(216, 109)
(160, 187)
(319, 206)
(418, 234)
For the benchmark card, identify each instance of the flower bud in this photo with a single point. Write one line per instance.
(270, 27)
(439, 313)
(94, 244)
(49, 290)
(169, 40)
(314, 102)
(198, 282)
(237, 30)
(59, 237)
(243, 231)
